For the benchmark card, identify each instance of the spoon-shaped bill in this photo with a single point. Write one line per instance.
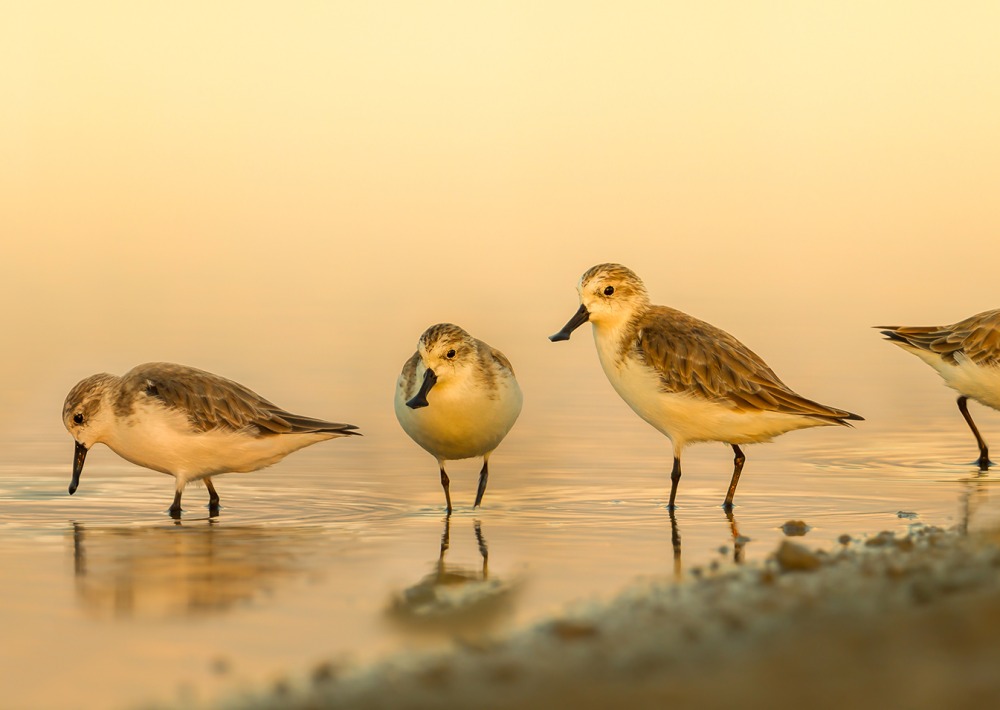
(578, 319)
(420, 398)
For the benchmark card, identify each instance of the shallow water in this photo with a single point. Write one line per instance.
(335, 554)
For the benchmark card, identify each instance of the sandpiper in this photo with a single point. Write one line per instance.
(690, 380)
(966, 355)
(457, 397)
(185, 422)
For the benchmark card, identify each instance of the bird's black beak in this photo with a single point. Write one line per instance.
(420, 398)
(78, 458)
(579, 318)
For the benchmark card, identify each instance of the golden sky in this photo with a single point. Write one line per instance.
(244, 185)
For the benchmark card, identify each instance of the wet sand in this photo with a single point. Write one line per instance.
(885, 621)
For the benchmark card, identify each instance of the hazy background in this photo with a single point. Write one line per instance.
(289, 193)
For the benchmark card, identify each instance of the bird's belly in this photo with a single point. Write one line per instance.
(193, 455)
(981, 383)
(687, 418)
(460, 428)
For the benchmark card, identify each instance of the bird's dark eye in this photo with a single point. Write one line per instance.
(78, 418)
(450, 354)
(608, 290)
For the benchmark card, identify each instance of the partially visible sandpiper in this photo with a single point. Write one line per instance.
(966, 355)
(185, 422)
(690, 380)
(457, 397)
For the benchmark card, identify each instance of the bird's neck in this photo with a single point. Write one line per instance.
(614, 338)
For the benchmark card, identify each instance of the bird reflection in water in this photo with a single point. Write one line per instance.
(454, 597)
(739, 541)
(973, 497)
(183, 570)
(675, 540)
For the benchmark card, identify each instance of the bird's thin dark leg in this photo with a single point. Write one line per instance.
(175, 508)
(483, 476)
(738, 462)
(213, 496)
(984, 451)
(675, 477)
(445, 482)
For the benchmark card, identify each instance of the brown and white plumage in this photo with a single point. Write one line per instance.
(694, 357)
(457, 397)
(186, 422)
(967, 356)
(690, 380)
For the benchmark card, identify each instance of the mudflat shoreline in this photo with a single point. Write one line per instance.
(886, 621)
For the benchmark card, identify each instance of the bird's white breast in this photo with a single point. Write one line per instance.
(462, 419)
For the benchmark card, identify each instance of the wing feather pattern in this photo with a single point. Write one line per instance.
(214, 402)
(976, 337)
(501, 360)
(694, 357)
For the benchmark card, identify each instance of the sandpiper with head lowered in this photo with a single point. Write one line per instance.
(185, 422)
(457, 397)
(966, 355)
(690, 380)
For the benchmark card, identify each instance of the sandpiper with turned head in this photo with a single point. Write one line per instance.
(185, 422)
(966, 355)
(457, 397)
(690, 380)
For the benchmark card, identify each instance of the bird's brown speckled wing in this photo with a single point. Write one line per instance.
(408, 376)
(501, 359)
(694, 357)
(214, 402)
(978, 337)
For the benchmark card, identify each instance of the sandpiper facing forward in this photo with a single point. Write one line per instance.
(185, 422)
(690, 380)
(457, 397)
(966, 355)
